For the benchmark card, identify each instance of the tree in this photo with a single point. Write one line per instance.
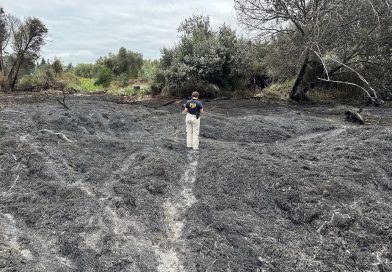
(27, 40)
(195, 23)
(69, 67)
(57, 66)
(123, 62)
(135, 63)
(3, 37)
(148, 70)
(43, 62)
(205, 59)
(126, 63)
(336, 34)
(5, 32)
(85, 70)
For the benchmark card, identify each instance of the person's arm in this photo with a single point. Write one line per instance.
(185, 110)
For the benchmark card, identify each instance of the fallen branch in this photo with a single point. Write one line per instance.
(250, 97)
(17, 177)
(210, 266)
(347, 83)
(14, 111)
(373, 98)
(61, 135)
(220, 98)
(62, 102)
(166, 104)
(13, 184)
(8, 121)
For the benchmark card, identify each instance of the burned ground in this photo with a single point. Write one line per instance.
(278, 187)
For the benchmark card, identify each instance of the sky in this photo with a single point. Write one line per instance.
(82, 31)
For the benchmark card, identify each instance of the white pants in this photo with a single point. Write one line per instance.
(192, 131)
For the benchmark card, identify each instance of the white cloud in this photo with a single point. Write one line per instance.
(81, 31)
(71, 54)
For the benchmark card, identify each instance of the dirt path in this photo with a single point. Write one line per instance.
(175, 210)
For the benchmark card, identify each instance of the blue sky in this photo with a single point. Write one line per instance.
(81, 31)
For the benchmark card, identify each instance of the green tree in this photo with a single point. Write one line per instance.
(135, 63)
(69, 67)
(43, 62)
(28, 38)
(57, 66)
(85, 70)
(148, 70)
(123, 62)
(205, 59)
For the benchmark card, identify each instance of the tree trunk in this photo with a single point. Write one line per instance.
(15, 77)
(13, 74)
(2, 68)
(293, 94)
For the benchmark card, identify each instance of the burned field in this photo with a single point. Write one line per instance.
(275, 187)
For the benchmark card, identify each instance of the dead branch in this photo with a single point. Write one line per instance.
(217, 99)
(17, 177)
(166, 104)
(14, 111)
(8, 121)
(375, 12)
(347, 83)
(13, 184)
(373, 98)
(60, 135)
(248, 98)
(62, 101)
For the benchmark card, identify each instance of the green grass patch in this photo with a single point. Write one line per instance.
(86, 85)
(278, 90)
(129, 91)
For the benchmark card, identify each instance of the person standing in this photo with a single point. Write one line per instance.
(193, 108)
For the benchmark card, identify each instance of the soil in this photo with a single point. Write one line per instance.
(275, 186)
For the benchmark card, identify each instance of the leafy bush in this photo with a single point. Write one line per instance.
(212, 62)
(123, 80)
(41, 79)
(148, 70)
(44, 78)
(70, 79)
(29, 81)
(105, 77)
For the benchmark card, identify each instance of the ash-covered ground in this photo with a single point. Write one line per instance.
(111, 187)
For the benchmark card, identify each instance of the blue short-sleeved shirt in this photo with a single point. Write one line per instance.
(194, 106)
